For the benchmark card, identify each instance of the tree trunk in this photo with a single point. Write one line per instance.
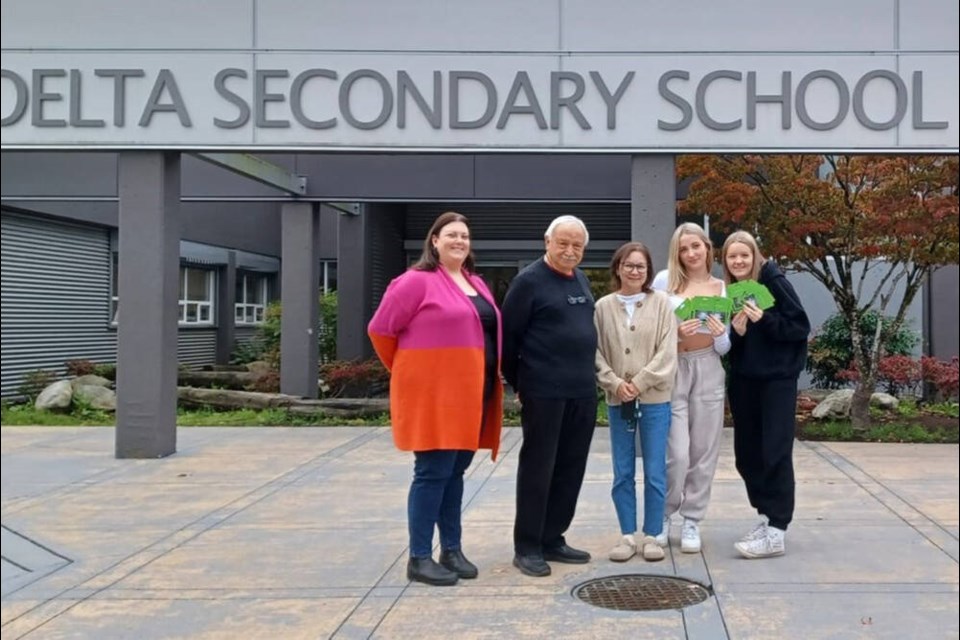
(866, 362)
(860, 408)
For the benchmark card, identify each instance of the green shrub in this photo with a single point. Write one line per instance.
(108, 371)
(831, 350)
(327, 333)
(245, 352)
(267, 339)
(268, 335)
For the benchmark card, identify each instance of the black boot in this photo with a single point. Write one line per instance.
(454, 560)
(429, 572)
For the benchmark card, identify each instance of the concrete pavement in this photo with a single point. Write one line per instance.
(300, 532)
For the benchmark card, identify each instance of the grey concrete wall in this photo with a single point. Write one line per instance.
(944, 319)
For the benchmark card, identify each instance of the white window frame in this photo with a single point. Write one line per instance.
(325, 275)
(201, 307)
(249, 314)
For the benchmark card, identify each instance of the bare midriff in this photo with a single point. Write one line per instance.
(695, 342)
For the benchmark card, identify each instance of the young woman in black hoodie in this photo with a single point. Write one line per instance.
(768, 352)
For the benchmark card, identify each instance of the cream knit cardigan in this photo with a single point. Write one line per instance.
(645, 352)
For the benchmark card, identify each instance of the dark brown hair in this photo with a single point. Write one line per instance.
(429, 259)
(620, 255)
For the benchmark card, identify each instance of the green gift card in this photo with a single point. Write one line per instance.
(700, 307)
(749, 291)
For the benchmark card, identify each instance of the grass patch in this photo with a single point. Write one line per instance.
(27, 415)
(925, 423)
(843, 431)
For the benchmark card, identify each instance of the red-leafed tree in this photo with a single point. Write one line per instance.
(824, 214)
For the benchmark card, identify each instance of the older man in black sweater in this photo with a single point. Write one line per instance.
(549, 346)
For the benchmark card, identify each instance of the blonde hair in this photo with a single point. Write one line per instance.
(743, 238)
(677, 273)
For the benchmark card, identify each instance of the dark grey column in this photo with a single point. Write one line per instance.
(353, 286)
(226, 300)
(653, 208)
(300, 287)
(149, 274)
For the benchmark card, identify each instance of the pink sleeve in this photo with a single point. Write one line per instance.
(397, 307)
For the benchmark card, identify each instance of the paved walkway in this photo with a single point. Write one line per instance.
(301, 533)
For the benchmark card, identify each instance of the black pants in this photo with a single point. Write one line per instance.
(553, 458)
(764, 422)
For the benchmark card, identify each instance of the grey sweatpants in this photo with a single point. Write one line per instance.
(696, 426)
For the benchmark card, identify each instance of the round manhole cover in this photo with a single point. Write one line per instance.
(641, 592)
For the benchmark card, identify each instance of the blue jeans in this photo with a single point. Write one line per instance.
(435, 499)
(654, 428)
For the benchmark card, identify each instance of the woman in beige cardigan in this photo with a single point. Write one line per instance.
(636, 366)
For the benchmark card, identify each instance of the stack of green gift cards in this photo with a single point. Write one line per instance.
(700, 307)
(749, 291)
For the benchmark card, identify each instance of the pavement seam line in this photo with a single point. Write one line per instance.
(493, 468)
(268, 488)
(831, 458)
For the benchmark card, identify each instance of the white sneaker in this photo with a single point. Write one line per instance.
(690, 537)
(664, 538)
(759, 531)
(625, 549)
(763, 547)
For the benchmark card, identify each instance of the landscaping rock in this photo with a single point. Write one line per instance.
(55, 397)
(835, 405)
(96, 396)
(816, 394)
(884, 401)
(91, 380)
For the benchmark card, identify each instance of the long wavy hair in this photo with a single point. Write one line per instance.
(743, 238)
(429, 258)
(620, 255)
(678, 276)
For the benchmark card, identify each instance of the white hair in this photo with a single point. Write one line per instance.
(564, 220)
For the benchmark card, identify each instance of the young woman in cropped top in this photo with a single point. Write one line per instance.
(697, 402)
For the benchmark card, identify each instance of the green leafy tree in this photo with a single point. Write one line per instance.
(897, 216)
(831, 349)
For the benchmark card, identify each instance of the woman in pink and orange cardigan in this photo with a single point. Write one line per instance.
(438, 332)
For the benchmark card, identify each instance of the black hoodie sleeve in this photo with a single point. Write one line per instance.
(786, 320)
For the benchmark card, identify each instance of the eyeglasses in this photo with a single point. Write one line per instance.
(576, 299)
(639, 268)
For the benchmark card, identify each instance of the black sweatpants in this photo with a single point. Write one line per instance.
(553, 459)
(764, 423)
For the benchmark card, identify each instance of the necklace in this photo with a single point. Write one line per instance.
(703, 281)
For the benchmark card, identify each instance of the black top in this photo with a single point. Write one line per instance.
(776, 346)
(549, 339)
(488, 318)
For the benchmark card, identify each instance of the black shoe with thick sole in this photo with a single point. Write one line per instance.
(531, 565)
(566, 554)
(429, 572)
(454, 560)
